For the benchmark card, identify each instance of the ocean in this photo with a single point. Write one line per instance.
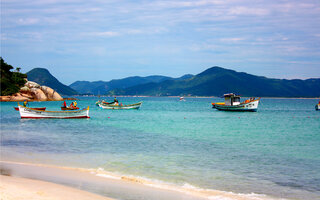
(274, 151)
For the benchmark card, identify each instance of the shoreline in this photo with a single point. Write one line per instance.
(107, 184)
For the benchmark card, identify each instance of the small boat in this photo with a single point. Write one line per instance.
(104, 102)
(43, 108)
(120, 106)
(69, 108)
(317, 107)
(232, 103)
(182, 99)
(26, 112)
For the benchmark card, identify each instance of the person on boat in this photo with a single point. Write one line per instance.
(25, 103)
(64, 104)
(75, 104)
(71, 105)
(115, 100)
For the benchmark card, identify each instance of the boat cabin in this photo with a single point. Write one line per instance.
(231, 99)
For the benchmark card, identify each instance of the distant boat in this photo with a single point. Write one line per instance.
(318, 106)
(26, 112)
(182, 99)
(232, 103)
(120, 106)
(43, 108)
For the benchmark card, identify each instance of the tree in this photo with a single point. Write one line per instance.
(10, 81)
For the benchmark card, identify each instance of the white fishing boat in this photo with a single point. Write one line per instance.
(232, 103)
(120, 106)
(26, 112)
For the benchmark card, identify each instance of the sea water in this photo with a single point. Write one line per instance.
(274, 152)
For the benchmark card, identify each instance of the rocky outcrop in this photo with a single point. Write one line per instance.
(32, 91)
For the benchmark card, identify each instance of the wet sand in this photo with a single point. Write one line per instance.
(88, 182)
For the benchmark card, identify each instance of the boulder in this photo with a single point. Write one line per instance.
(27, 95)
(51, 94)
(31, 84)
(25, 90)
(18, 97)
(56, 96)
(38, 94)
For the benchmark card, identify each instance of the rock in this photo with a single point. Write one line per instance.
(25, 90)
(38, 94)
(27, 95)
(31, 84)
(18, 97)
(56, 96)
(5, 98)
(33, 91)
(51, 94)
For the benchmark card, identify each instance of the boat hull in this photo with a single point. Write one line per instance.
(43, 108)
(249, 107)
(119, 107)
(68, 108)
(26, 112)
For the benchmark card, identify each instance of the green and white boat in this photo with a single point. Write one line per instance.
(120, 106)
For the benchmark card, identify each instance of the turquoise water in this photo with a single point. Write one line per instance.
(275, 151)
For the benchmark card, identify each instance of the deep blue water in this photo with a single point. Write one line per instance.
(275, 151)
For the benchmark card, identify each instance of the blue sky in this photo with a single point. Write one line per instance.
(104, 40)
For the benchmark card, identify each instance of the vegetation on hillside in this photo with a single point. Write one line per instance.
(217, 81)
(11, 81)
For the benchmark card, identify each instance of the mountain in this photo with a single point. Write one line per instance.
(217, 81)
(102, 87)
(43, 77)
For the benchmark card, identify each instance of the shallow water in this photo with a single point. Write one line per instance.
(275, 151)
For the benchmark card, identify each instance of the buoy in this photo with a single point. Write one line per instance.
(108, 117)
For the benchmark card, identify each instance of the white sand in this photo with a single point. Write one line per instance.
(14, 188)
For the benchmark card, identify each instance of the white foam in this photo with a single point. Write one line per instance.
(185, 188)
(108, 176)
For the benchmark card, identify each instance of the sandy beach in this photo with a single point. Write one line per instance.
(55, 183)
(15, 188)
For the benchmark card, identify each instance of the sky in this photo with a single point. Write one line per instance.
(111, 39)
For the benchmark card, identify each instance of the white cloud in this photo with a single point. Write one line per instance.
(104, 34)
(28, 21)
(232, 40)
(241, 10)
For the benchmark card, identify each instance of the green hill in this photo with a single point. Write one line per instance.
(43, 77)
(102, 87)
(217, 81)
